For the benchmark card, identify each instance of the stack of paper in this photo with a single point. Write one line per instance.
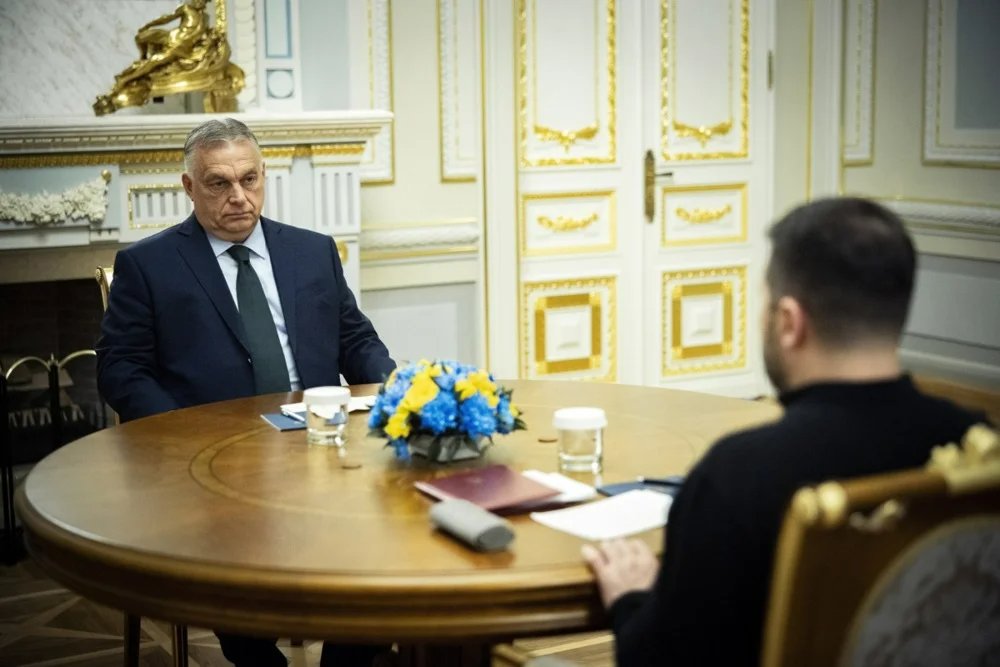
(618, 516)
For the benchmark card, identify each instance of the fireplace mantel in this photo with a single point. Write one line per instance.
(87, 184)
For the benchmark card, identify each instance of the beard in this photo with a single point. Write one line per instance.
(773, 363)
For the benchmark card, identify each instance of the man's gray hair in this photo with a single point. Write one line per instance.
(212, 132)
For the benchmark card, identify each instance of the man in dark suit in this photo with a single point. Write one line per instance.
(838, 290)
(230, 304)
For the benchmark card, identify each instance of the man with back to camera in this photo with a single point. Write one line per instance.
(229, 304)
(838, 290)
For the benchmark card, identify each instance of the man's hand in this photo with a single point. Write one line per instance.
(621, 566)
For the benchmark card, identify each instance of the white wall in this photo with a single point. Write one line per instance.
(952, 205)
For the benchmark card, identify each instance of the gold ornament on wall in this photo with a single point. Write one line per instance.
(190, 57)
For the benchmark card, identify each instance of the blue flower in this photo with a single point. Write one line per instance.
(505, 420)
(439, 414)
(477, 417)
(402, 449)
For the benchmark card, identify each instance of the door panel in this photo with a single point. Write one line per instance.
(602, 292)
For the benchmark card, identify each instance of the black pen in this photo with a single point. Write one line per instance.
(672, 480)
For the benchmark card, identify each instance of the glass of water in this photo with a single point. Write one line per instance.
(581, 438)
(326, 415)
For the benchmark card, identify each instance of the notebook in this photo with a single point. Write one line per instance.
(494, 487)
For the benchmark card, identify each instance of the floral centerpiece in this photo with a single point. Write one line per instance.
(442, 409)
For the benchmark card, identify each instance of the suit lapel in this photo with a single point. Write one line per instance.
(197, 253)
(283, 263)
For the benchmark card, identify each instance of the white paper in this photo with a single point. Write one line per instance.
(571, 490)
(625, 514)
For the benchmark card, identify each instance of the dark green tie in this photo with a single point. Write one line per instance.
(270, 374)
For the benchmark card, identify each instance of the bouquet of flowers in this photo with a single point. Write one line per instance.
(443, 405)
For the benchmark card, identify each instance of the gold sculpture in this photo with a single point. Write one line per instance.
(191, 57)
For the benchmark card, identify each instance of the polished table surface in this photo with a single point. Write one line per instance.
(208, 516)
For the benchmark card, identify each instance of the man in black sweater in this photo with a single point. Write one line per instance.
(839, 284)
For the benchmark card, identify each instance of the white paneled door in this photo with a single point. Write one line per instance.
(627, 144)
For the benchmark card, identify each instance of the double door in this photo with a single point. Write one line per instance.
(627, 190)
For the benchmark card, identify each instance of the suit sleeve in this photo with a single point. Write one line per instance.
(126, 351)
(363, 356)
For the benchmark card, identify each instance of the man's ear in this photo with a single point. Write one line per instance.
(791, 322)
(188, 184)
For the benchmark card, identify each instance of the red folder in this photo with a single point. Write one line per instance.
(492, 488)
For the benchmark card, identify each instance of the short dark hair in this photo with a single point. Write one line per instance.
(850, 263)
(215, 131)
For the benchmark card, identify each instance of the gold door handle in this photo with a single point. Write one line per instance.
(649, 179)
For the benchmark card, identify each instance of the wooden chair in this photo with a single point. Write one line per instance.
(901, 568)
(104, 275)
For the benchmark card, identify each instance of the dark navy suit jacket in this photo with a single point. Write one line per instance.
(171, 336)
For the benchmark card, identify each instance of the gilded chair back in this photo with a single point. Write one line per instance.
(900, 568)
(104, 276)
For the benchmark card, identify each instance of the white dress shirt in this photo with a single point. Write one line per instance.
(260, 260)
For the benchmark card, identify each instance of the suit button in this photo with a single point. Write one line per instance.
(250, 361)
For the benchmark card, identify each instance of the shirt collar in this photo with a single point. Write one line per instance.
(255, 242)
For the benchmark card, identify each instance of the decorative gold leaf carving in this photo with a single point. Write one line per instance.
(703, 132)
(564, 224)
(702, 215)
(883, 518)
(566, 137)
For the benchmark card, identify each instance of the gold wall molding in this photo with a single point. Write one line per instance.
(946, 144)
(727, 283)
(859, 83)
(379, 163)
(564, 224)
(456, 49)
(312, 150)
(704, 132)
(702, 215)
(596, 294)
(567, 225)
(566, 137)
(527, 113)
(136, 221)
(89, 159)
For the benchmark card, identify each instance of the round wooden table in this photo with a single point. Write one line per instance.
(208, 516)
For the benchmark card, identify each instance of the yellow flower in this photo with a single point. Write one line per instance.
(514, 411)
(478, 381)
(421, 391)
(398, 426)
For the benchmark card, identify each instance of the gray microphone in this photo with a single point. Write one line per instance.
(481, 530)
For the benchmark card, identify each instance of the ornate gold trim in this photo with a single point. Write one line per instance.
(730, 284)
(46, 160)
(149, 188)
(700, 216)
(586, 292)
(521, 95)
(161, 157)
(973, 466)
(342, 251)
(566, 137)
(724, 289)
(564, 224)
(372, 255)
(545, 303)
(704, 133)
(740, 188)
(612, 204)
